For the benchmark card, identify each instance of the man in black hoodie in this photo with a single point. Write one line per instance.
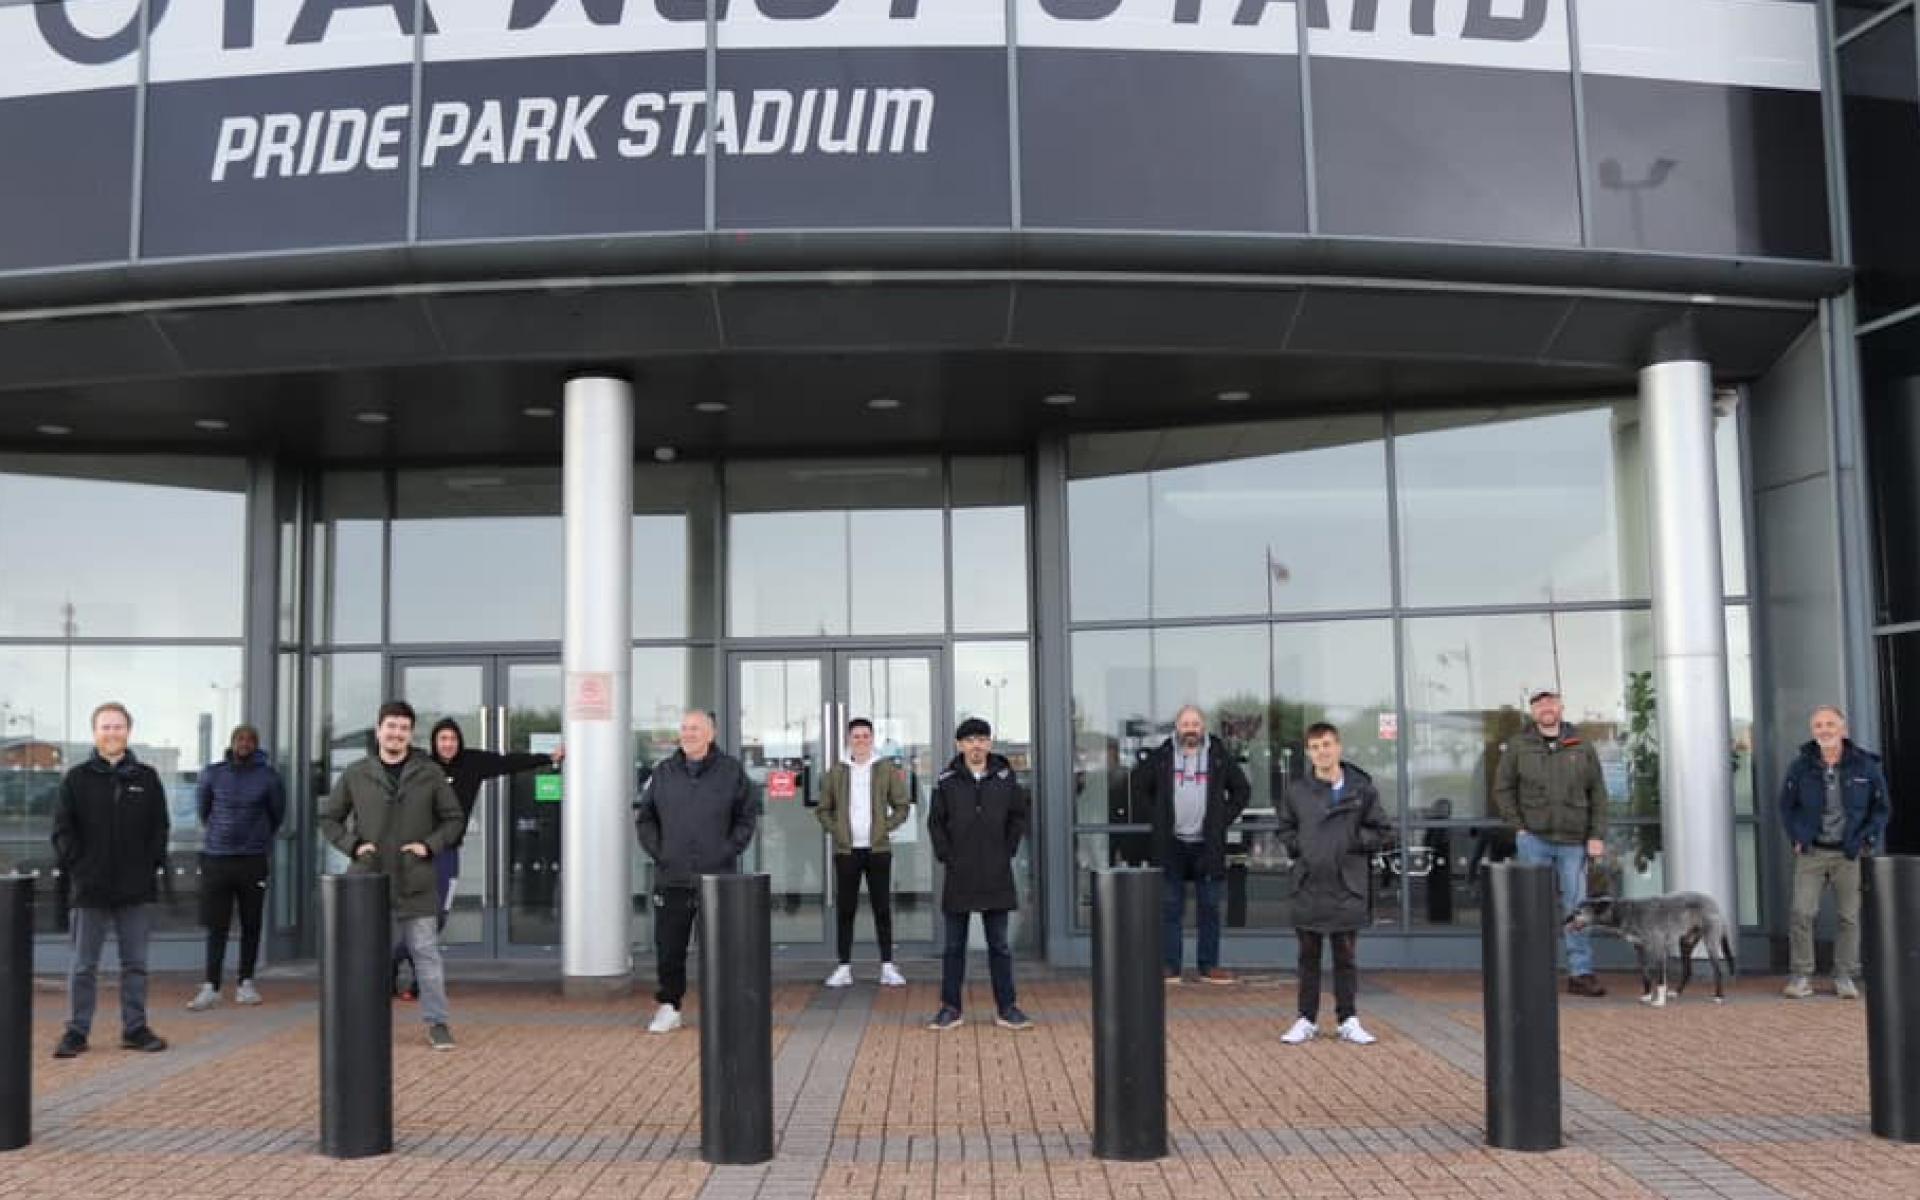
(110, 832)
(696, 817)
(976, 822)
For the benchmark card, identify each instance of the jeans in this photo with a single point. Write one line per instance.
(848, 869)
(1182, 865)
(1346, 972)
(674, 910)
(131, 925)
(1812, 872)
(953, 959)
(421, 937)
(1569, 863)
(228, 882)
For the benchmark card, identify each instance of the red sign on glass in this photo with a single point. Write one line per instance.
(782, 785)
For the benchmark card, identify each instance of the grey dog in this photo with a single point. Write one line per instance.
(1663, 927)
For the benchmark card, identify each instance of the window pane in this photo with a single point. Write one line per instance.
(347, 693)
(349, 566)
(1731, 482)
(477, 555)
(1468, 679)
(787, 574)
(1112, 700)
(990, 570)
(1273, 517)
(1890, 379)
(1340, 672)
(1223, 669)
(674, 561)
(121, 547)
(1499, 508)
(899, 582)
(1880, 89)
(1740, 704)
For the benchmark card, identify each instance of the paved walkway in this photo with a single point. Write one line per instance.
(553, 1098)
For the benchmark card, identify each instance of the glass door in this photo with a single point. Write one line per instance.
(790, 713)
(506, 895)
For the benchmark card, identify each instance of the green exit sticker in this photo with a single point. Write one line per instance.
(546, 788)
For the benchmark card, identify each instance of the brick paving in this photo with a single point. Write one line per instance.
(554, 1098)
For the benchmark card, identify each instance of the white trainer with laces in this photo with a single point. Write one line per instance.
(204, 999)
(1351, 1030)
(1302, 1030)
(890, 976)
(666, 1019)
(842, 976)
(246, 993)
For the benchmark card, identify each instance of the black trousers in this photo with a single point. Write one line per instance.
(1346, 974)
(674, 911)
(228, 882)
(848, 870)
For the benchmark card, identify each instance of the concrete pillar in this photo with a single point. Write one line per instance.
(1689, 623)
(596, 832)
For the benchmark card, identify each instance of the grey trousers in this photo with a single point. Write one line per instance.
(421, 937)
(1812, 872)
(131, 925)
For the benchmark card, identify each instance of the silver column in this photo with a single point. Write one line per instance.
(596, 890)
(1690, 636)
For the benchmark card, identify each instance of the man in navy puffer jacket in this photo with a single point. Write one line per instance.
(242, 803)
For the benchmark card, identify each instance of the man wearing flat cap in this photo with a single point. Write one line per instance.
(976, 822)
(1550, 790)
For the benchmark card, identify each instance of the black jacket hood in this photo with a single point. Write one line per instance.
(433, 738)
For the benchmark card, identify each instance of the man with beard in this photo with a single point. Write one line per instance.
(1193, 791)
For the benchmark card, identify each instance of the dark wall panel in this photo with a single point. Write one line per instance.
(66, 179)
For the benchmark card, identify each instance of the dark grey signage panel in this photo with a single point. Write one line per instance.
(1415, 150)
(1702, 168)
(873, 137)
(277, 162)
(563, 146)
(1117, 139)
(66, 179)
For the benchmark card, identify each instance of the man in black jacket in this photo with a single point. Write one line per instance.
(1192, 791)
(976, 822)
(696, 817)
(110, 833)
(242, 803)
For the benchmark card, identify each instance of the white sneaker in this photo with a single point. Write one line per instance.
(842, 976)
(1352, 1031)
(1302, 1030)
(665, 1020)
(246, 993)
(890, 976)
(204, 999)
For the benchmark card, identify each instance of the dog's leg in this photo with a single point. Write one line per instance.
(1646, 974)
(1686, 964)
(1714, 940)
(1660, 994)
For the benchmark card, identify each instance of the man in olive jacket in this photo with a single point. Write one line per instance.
(1550, 790)
(862, 801)
(392, 812)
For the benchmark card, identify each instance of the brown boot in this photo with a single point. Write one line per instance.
(1585, 985)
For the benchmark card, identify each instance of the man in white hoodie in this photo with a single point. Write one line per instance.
(862, 801)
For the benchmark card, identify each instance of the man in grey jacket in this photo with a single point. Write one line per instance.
(696, 816)
(391, 812)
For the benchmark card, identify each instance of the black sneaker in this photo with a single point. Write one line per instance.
(144, 1039)
(440, 1037)
(947, 1018)
(72, 1045)
(1011, 1017)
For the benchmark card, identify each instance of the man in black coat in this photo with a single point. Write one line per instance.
(696, 817)
(1192, 791)
(976, 822)
(1332, 824)
(110, 832)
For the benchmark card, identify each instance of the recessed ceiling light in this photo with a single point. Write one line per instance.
(371, 418)
(1233, 396)
(210, 424)
(1060, 399)
(54, 430)
(665, 454)
(711, 406)
(539, 412)
(883, 404)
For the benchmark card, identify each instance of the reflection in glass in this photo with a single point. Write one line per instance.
(1223, 670)
(779, 702)
(989, 531)
(1740, 705)
(1112, 726)
(1258, 892)
(1499, 508)
(347, 692)
(349, 558)
(477, 555)
(1880, 87)
(1340, 672)
(1241, 519)
(532, 694)
(1730, 482)
(121, 547)
(674, 560)
(899, 571)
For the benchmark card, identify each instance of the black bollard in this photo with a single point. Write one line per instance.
(356, 1016)
(1891, 961)
(1129, 1017)
(16, 1011)
(1518, 927)
(736, 1019)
